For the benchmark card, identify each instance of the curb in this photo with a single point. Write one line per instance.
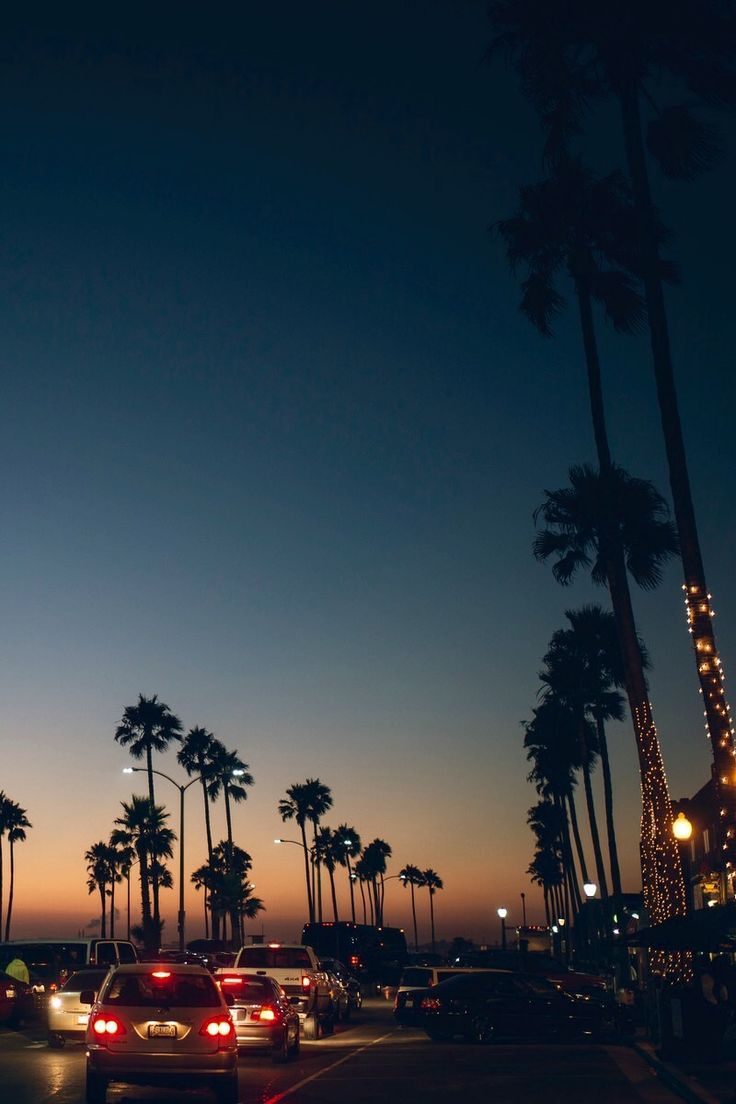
(687, 1088)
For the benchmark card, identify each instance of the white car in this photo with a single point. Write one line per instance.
(67, 1016)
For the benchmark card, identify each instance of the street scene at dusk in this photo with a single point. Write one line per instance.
(368, 596)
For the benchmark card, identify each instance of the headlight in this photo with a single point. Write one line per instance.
(55, 1003)
(10, 994)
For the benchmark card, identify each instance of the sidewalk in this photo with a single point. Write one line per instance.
(696, 1082)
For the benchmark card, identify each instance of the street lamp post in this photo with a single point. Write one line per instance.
(523, 910)
(182, 788)
(391, 878)
(503, 913)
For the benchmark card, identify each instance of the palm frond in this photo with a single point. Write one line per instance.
(682, 144)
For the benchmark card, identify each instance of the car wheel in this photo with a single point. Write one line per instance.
(280, 1052)
(55, 1040)
(311, 1027)
(482, 1030)
(226, 1089)
(346, 1013)
(295, 1046)
(327, 1026)
(96, 1092)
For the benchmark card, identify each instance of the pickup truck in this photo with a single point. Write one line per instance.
(296, 969)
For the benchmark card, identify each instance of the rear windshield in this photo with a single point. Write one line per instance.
(85, 979)
(417, 976)
(274, 958)
(177, 991)
(251, 989)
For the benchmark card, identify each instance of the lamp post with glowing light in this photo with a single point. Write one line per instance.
(682, 830)
(503, 913)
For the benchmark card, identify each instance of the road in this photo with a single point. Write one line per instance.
(366, 1062)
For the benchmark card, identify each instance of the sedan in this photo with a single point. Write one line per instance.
(497, 1005)
(160, 1024)
(355, 996)
(263, 1015)
(67, 1016)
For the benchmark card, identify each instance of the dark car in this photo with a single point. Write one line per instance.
(17, 1002)
(350, 983)
(263, 1015)
(500, 1004)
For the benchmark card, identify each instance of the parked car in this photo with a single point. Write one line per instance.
(351, 983)
(490, 1004)
(263, 1015)
(67, 1017)
(160, 1024)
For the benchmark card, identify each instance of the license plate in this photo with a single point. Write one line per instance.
(168, 1031)
(83, 1019)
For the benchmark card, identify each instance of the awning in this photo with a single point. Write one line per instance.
(707, 929)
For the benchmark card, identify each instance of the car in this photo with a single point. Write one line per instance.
(67, 1017)
(160, 1024)
(51, 961)
(422, 977)
(351, 983)
(17, 1002)
(498, 1004)
(263, 1015)
(339, 995)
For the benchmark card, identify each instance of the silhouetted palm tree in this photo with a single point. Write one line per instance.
(433, 882)
(412, 876)
(97, 858)
(143, 827)
(120, 856)
(295, 806)
(229, 776)
(327, 854)
(195, 756)
(15, 820)
(146, 727)
(374, 860)
(347, 842)
(319, 801)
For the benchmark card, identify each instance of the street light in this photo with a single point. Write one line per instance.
(590, 889)
(182, 788)
(503, 913)
(682, 829)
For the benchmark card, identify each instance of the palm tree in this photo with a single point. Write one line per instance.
(98, 869)
(229, 775)
(143, 827)
(319, 801)
(195, 756)
(14, 820)
(374, 859)
(412, 876)
(545, 870)
(146, 727)
(361, 875)
(296, 806)
(433, 882)
(348, 843)
(120, 857)
(5, 807)
(202, 879)
(567, 55)
(327, 854)
(577, 521)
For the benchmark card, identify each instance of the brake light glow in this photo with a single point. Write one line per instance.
(161, 974)
(430, 1004)
(217, 1028)
(231, 981)
(306, 981)
(266, 1014)
(104, 1026)
(274, 946)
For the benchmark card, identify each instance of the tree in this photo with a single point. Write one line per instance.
(14, 820)
(120, 855)
(568, 55)
(146, 727)
(143, 827)
(296, 806)
(374, 863)
(326, 853)
(433, 882)
(577, 522)
(229, 776)
(97, 858)
(347, 842)
(195, 756)
(319, 801)
(412, 876)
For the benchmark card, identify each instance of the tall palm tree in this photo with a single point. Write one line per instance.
(295, 806)
(375, 854)
(433, 882)
(568, 55)
(15, 821)
(577, 522)
(229, 775)
(412, 876)
(120, 857)
(146, 727)
(319, 801)
(5, 806)
(326, 853)
(195, 756)
(201, 878)
(98, 868)
(143, 827)
(349, 846)
(362, 875)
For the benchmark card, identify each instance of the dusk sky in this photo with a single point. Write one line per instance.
(274, 430)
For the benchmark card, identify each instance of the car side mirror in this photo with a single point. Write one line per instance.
(229, 999)
(87, 996)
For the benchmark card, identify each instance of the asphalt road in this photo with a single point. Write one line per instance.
(366, 1062)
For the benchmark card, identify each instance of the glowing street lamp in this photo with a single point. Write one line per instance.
(503, 913)
(590, 889)
(682, 829)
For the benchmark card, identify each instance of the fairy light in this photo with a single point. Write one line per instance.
(718, 726)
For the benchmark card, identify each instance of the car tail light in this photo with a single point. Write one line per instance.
(161, 975)
(234, 980)
(104, 1027)
(266, 1014)
(306, 981)
(430, 1004)
(220, 1028)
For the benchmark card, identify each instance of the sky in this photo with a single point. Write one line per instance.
(274, 430)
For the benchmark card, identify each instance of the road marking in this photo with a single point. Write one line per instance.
(327, 1069)
(33, 1046)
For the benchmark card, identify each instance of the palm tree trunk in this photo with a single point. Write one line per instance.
(414, 916)
(431, 915)
(352, 890)
(112, 903)
(333, 893)
(592, 818)
(1, 879)
(11, 886)
(307, 872)
(576, 836)
(595, 386)
(207, 822)
(149, 768)
(228, 819)
(103, 912)
(362, 897)
(568, 862)
(697, 598)
(318, 872)
(608, 800)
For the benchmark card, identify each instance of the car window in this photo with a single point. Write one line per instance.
(274, 958)
(84, 979)
(126, 952)
(176, 990)
(105, 952)
(416, 976)
(540, 986)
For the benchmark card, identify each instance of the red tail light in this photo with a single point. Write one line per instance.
(306, 981)
(231, 980)
(105, 1027)
(430, 1004)
(265, 1014)
(218, 1028)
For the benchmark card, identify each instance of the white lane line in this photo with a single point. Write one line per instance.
(327, 1069)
